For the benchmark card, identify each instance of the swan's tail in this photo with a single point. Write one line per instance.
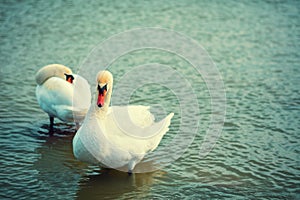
(165, 123)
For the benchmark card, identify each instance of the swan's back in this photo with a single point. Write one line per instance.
(133, 128)
(55, 94)
(61, 99)
(103, 141)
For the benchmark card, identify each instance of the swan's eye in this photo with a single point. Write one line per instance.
(69, 78)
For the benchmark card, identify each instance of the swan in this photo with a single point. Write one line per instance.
(62, 94)
(117, 136)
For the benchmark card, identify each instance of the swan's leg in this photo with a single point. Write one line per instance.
(51, 125)
(77, 126)
(131, 166)
(51, 122)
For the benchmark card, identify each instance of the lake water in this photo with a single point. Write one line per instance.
(255, 46)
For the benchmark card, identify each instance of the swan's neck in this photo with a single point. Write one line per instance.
(107, 100)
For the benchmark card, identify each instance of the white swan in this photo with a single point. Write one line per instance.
(118, 136)
(62, 94)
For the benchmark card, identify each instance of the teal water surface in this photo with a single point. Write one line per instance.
(255, 46)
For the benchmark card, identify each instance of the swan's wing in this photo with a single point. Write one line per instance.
(131, 133)
(139, 115)
(82, 93)
(103, 140)
(164, 124)
(54, 92)
(81, 99)
(55, 97)
(70, 113)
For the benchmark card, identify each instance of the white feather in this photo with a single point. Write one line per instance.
(118, 136)
(63, 100)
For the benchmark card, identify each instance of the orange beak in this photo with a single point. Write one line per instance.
(101, 96)
(69, 78)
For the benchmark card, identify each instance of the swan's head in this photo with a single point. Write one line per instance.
(104, 88)
(54, 70)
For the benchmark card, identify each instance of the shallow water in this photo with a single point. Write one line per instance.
(255, 46)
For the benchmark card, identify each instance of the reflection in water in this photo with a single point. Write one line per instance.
(110, 183)
(256, 48)
(59, 173)
(59, 129)
(57, 170)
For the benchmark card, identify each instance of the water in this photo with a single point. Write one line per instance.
(255, 46)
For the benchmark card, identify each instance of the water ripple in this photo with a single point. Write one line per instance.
(255, 47)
